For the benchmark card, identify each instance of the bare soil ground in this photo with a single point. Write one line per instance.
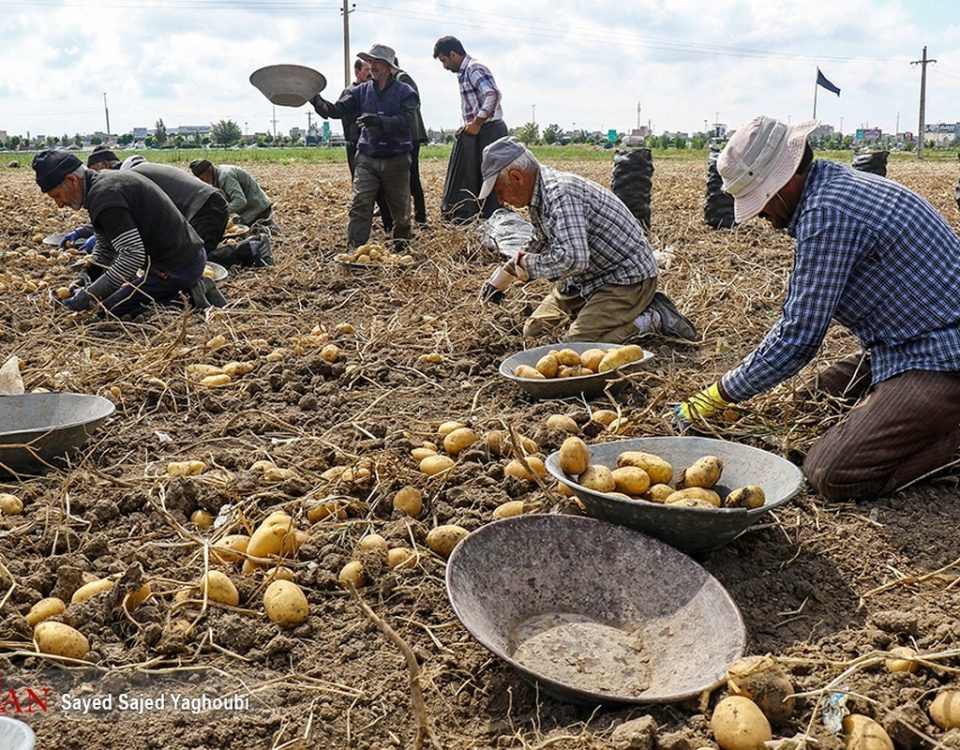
(825, 588)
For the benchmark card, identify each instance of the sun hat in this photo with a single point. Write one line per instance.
(288, 85)
(759, 159)
(379, 52)
(496, 157)
(52, 166)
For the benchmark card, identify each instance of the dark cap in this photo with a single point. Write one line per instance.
(199, 166)
(101, 155)
(52, 166)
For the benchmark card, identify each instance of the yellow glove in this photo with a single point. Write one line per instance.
(703, 404)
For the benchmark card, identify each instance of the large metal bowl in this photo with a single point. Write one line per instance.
(36, 428)
(288, 85)
(535, 578)
(693, 530)
(218, 271)
(588, 385)
(16, 734)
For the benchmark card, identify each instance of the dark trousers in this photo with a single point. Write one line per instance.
(156, 287)
(416, 190)
(352, 157)
(463, 182)
(392, 176)
(904, 428)
(210, 221)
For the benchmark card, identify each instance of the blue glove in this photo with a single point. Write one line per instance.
(369, 120)
(80, 300)
(88, 246)
(70, 237)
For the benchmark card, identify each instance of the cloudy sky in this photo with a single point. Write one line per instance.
(585, 64)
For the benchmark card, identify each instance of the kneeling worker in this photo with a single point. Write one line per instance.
(589, 243)
(137, 229)
(246, 201)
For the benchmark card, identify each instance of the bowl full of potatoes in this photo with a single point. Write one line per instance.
(570, 369)
(373, 256)
(694, 493)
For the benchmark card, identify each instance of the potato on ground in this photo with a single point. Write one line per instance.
(219, 588)
(44, 610)
(863, 733)
(443, 539)
(58, 639)
(285, 603)
(739, 724)
(517, 470)
(459, 440)
(945, 709)
(763, 681)
(409, 501)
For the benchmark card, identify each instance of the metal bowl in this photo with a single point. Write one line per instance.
(370, 267)
(36, 428)
(236, 231)
(15, 734)
(639, 623)
(693, 530)
(588, 385)
(219, 272)
(54, 239)
(288, 85)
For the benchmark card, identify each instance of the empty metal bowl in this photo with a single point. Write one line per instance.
(288, 85)
(15, 734)
(693, 530)
(54, 239)
(36, 428)
(592, 611)
(588, 385)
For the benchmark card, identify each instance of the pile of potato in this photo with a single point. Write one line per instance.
(374, 254)
(566, 363)
(213, 376)
(645, 476)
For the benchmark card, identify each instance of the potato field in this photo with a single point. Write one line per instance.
(299, 415)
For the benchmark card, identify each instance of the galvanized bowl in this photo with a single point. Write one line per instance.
(588, 385)
(16, 734)
(693, 530)
(219, 272)
(54, 239)
(288, 85)
(36, 428)
(524, 580)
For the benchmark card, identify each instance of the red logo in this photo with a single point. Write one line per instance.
(23, 700)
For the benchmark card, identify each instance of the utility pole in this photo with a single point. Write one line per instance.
(638, 115)
(922, 62)
(274, 121)
(533, 113)
(347, 69)
(309, 122)
(106, 111)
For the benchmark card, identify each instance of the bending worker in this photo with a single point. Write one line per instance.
(877, 258)
(246, 201)
(589, 243)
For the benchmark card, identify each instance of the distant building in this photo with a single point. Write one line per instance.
(942, 133)
(867, 135)
(822, 132)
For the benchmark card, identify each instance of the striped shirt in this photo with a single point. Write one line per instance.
(479, 95)
(584, 236)
(875, 257)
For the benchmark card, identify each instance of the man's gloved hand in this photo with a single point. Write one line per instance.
(69, 237)
(498, 283)
(320, 104)
(369, 120)
(83, 280)
(89, 244)
(703, 404)
(78, 301)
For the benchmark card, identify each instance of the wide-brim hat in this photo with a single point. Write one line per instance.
(759, 160)
(379, 52)
(288, 85)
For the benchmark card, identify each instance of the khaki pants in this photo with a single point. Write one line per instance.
(906, 427)
(608, 315)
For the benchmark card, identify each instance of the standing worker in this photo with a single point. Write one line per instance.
(877, 258)
(482, 125)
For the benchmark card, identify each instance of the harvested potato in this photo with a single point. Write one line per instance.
(604, 416)
(335, 508)
(620, 357)
(219, 588)
(408, 501)
(345, 328)
(186, 468)
(573, 371)
(738, 724)
(63, 292)
(44, 610)
(591, 359)
(443, 539)
(202, 518)
(945, 709)
(237, 369)
(659, 471)
(58, 639)
(373, 543)
(279, 573)
(91, 589)
(268, 539)
(526, 371)
(901, 660)
(658, 493)
(507, 510)
(353, 573)
(216, 381)
(564, 489)
(421, 453)
(433, 358)
(863, 733)
(516, 469)
(631, 480)
(400, 558)
(200, 370)
(563, 423)
(548, 366)
(598, 478)
(459, 440)
(750, 497)
(763, 681)
(274, 474)
(135, 598)
(499, 443)
(704, 472)
(694, 497)
(449, 426)
(436, 464)
(620, 424)
(10, 505)
(230, 548)
(574, 456)
(567, 357)
(285, 603)
(330, 353)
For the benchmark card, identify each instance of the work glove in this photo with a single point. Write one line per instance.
(69, 237)
(320, 104)
(78, 301)
(89, 244)
(83, 280)
(702, 405)
(369, 120)
(494, 289)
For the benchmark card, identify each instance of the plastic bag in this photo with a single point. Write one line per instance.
(718, 208)
(505, 232)
(632, 182)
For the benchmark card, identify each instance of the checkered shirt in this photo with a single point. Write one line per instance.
(479, 95)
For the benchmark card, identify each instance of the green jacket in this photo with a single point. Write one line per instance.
(244, 196)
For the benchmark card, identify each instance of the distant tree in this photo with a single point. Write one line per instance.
(268, 138)
(698, 142)
(126, 139)
(551, 134)
(77, 140)
(160, 132)
(847, 141)
(529, 133)
(261, 140)
(226, 133)
(64, 140)
(51, 141)
(96, 140)
(679, 141)
(149, 141)
(13, 143)
(179, 140)
(205, 140)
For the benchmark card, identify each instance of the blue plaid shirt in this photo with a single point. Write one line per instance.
(877, 258)
(584, 236)
(479, 95)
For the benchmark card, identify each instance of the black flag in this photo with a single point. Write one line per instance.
(822, 81)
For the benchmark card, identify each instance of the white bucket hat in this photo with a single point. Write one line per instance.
(759, 159)
(379, 52)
